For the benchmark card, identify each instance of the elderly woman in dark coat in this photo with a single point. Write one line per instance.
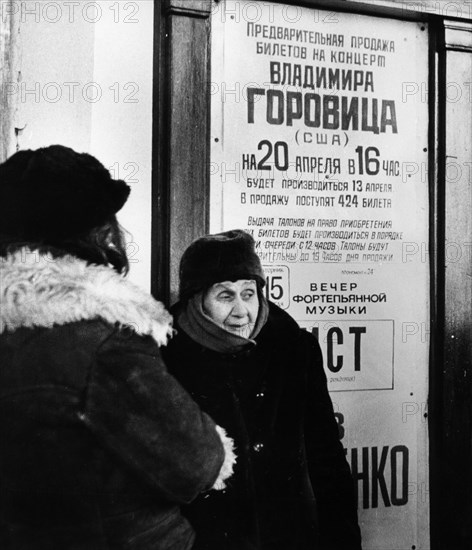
(99, 444)
(250, 366)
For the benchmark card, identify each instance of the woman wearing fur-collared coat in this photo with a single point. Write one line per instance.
(250, 366)
(99, 444)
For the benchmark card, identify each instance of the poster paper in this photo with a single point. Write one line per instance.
(319, 152)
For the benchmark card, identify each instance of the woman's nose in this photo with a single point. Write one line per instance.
(239, 309)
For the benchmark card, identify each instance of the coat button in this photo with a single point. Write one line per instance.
(258, 447)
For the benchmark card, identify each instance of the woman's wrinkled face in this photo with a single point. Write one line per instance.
(233, 305)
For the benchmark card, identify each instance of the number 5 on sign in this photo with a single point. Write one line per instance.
(277, 287)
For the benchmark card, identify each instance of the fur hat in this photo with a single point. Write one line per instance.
(227, 256)
(57, 192)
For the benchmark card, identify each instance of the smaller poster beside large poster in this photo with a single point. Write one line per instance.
(318, 154)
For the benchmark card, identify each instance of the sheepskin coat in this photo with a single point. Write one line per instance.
(99, 444)
(292, 488)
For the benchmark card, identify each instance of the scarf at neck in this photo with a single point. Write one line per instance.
(201, 328)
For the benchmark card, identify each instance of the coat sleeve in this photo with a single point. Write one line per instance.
(330, 475)
(143, 415)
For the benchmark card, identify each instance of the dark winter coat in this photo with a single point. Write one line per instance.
(99, 445)
(292, 488)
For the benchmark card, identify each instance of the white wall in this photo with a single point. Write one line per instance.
(122, 120)
(55, 54)
(86, 75)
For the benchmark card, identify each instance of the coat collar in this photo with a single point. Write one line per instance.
(38, 290)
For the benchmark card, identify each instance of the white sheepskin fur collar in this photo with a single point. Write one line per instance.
(37, 290)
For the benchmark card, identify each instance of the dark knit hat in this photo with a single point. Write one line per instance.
(227, 256)
(57, 192)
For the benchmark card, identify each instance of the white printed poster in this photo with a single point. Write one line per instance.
(320, 152)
